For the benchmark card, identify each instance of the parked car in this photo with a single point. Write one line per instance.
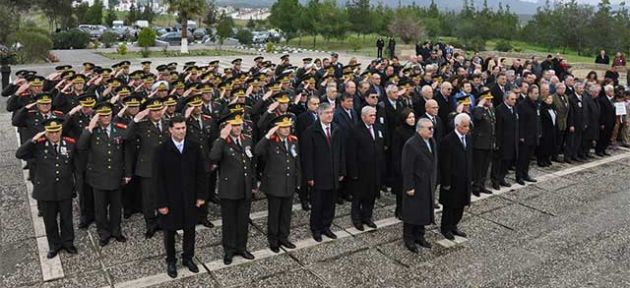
(199, 33)
(95, 31)
(175, 38)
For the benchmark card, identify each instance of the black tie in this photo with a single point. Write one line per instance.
(158, 126)
(55, 147)
(238, 143)
(284, 144)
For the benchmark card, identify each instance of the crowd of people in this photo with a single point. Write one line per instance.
(173, 143)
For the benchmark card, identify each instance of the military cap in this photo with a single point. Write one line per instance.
(88, 65)
(123, 90)
(463, 99)
(67, 74)
(21, 73)
(104, 108)
(233, 118)
(153, 104)
(486, 95)
(115, 82)
(172, 66)
(105, 72)
(43, 98)
(237, 61)
(194, 101)
(180, 84)
(52, 124)
(404, 82)
(170, 100)
(78, 79)
(258, 58)
(213, 62)
(145, 63)
(136, 75)
(307, 60)
(205, 87)
(235, 107)
(148, 78)
(133, 100)
(87, 99)
(36, 81)
(285, 57)
(162, 68)
(160, 86)
(192, 69)
(281, 97)
(334, 54)
(63, 67)
(124, 64)
(238, 92)
(283, 121)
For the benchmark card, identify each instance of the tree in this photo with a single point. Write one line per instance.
(57, 13)
(251, 24)
(225, 27)
(133, 15)
(186, 9)
(310, 19)
(285, 15)
(334, 21)
(95, 13)
(147, 13)
(360, 16)
(211, 16)
(111, 16)
(244, 36)
(81, 12)
(406, 27)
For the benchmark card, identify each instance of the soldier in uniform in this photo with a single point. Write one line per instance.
(484, 141)
(68, 97)
(202, 130)
(79, 117)
(53, 183)
(282, 177)
(23, 96)
(170, 102)
(102, 142)
(131, 196)
(232, 152)
(149, 130)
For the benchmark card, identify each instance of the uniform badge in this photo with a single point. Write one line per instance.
(380, 134)
(382, 120)
(248, 152)
(293, 151)
(64, 151)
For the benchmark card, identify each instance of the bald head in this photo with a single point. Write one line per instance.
(431, 107)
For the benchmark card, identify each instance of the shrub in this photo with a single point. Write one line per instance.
(34, 45)
(269, 47)
(146, 37)
(71, 39)
(244, 36)
(475, 44)
(108, 38)
(503, 46)
(122, 48)
(145, 52)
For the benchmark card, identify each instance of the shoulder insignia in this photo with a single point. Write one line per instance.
(32, 111)
(121, 126)
(58, 113)
(293, 138)
(206, 116)
(41, 140)
(228, 140)
(69, 140)
(275, 138)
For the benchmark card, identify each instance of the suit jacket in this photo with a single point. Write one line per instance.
(438, 129)
(323, 161)
(365, 159)
(282, 171)
(529, 122)
(577, 114)
(455, 171)
(392, 116)
(54, 177)
(445, 109)
(236, 167)
(497, 94)
(561, 104)
(202, 134)
(304, 120)
(146, 136)
(607, 115)
(506, 131)
(419, 172)
(180, 179)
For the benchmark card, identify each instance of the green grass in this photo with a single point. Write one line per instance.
(364, 45)
(192, 53)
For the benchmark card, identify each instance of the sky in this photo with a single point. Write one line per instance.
(593, 2)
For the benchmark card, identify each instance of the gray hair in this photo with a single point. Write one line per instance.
(330, 87)
(390, 88)
(609, 88)
(367, 109)
(423, 122)
(426, 89)
(460, 118)
(323, 107)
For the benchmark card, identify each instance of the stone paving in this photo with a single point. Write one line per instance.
(570, 229)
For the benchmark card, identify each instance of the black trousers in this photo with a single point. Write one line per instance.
(132, 196)
(499, 167)
(481, 163)
(379, 52)
(522, 162)
(107, 203)
(363, 204)
(304, 193)
(86, 199)
(604, 139)
(148, 202)
(235, 228)
(412, 233)
(451, 217)
(58, 234)
(203, 210)
(322, 209)
(561, 142)
(188, 244)
(279, 219)
(574, 144)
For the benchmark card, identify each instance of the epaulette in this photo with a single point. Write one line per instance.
(121, 126)
(32, 111)
(275, 138)
(293, 138)
(69, 140)
(41, 140)
(206, 116)
(58, 113)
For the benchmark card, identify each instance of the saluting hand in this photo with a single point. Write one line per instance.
(74, 110)
(141, 115)
(188, 112)
(200, 202)
(411, 192)
(30, 105)
(267, 95)
(163, 210)
(225, 132)
(271, 132)
(93, 122)
(273, 106)
(38, 136)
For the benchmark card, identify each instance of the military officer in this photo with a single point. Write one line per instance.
(232, 152)
(53, 183)
(282, 177)
(483, 140)
(79, 117)
(102, 142)
(149, 130)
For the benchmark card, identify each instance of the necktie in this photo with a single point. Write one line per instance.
(464, 141)
(45, 116)
(284, 144)
(350, 114)
(180, 147)
(108, 131)
(56, 148)
(372, 132)
(200, 124)
(328, 134)
(238, 143)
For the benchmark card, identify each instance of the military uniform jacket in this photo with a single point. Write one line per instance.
(74, 125)
(105, 156)
(236, 167)
(54, 176)
(202, 131)
(30, 121)
(147, 137)
(483, 133)
(66, 101)
(282, 172)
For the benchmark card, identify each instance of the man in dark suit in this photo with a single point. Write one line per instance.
(324, 167)
(181, 181)
(456, 175)
(419, 167)
(365, 158)
(380, 43)
(304, 121)
(483, 136)
(282, 177)
(576, 123)
(529, 132)
(442, 97)
(53, 183)
(346, 119)
(432, 108)
(233, 153)
(392, 107)
(606, 120)
(498, 89)
(506, 143)
(102, 142)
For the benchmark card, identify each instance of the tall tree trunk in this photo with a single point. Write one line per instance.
(314, 40)
(184, 43)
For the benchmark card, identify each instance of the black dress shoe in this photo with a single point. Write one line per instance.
(496, 186)
(317, 237)
(436, 206)
(126, 215)
(424, 243)
(52, 253)
(448, 235)
(358, 225)
(287, 244)
(530, 179)
(71, 249)
(485, 191)
(476, 193)
(520, 181)
(213, 198)
(505, 184)
(171, 269)
(339, 200)
(330, 234)
(555, 159)
(206, 223)
(227, 259)
(192, 267)
(567, 160)
(459, 233)
(249, 256)
(120, 238)
(84, 224)
(411, 247)
(150, 232)
(370, 224)
(103, 241)
(606, 153)
(306, 206)
(275, 249)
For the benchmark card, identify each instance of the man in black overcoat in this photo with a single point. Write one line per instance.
(181, 184)
(506, 141)
(529, 132)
